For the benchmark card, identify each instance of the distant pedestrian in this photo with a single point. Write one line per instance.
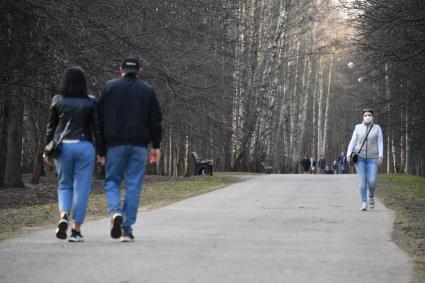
(312, 165)
(131, 119)
(73, 115)
(342, 164)
(305, 164)
(322, 164)
(334, 167)
(367, 142)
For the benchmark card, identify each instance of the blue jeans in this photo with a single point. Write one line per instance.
(367, 169)
(75, 166)
(125, 161)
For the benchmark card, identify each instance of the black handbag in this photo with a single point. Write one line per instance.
(53, 148)
(354, 157)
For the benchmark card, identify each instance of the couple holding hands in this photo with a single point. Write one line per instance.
(114, 130)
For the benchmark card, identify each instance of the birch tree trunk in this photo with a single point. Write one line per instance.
(328, 97)
(186, 157)
(319, 108)
(388, 132)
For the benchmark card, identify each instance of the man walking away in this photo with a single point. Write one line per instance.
(305, 164)
(131, 119)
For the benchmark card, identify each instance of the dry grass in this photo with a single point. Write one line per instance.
(406, 196)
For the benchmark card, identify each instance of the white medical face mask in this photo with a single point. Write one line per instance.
(367, 119)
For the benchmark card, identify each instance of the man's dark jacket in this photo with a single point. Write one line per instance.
(129, 112)
(306, 164)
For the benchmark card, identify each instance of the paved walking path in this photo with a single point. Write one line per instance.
(275, 228)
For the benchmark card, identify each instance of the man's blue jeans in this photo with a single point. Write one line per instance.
(75, 166)
(125, 161)
(367, 169)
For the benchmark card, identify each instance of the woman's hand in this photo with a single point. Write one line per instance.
(380, 161)
(101, 160)
(349, 160)
(47, 160)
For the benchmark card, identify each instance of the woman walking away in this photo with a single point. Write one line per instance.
(367, 144)
(73, 121)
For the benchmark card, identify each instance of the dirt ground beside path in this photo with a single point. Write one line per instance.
(406, 195)
(36, 205)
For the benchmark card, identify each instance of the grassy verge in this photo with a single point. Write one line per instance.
(155, 194)
(406, 196)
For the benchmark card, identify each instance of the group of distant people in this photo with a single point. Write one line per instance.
(311, 166)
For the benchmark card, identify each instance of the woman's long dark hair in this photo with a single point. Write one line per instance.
(73, 83)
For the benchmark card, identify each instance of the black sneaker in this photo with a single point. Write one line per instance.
(62, 227)
(116, 222)
(127, 236)
(76, 236)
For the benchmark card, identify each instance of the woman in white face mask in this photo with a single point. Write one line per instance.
(367, 144)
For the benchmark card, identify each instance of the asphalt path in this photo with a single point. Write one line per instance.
(274, 228)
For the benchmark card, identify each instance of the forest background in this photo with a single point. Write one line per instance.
(240, 82)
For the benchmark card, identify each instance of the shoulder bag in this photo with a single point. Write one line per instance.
(355, 155)
(53, 148)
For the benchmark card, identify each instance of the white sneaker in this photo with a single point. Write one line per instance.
(371, 203)
(364, 206)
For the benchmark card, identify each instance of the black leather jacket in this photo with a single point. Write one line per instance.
(82, 115)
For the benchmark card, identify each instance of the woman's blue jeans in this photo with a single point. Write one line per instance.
(75, 166)
(125, 161)
(367, 169)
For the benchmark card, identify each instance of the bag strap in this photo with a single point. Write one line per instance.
(64, 132)
(370, 129)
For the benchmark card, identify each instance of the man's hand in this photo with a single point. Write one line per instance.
(47, 160)
(101, 160)
(154, 156)
(380, 161)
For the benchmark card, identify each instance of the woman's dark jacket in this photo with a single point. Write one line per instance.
(83, 117)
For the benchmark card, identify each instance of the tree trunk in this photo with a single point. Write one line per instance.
(186, 157)
(13, 173)
(38, 164)
(319, 108)
(410, 166)
(328, 97)
(170, 154)
(388, 95)
(4, 129)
